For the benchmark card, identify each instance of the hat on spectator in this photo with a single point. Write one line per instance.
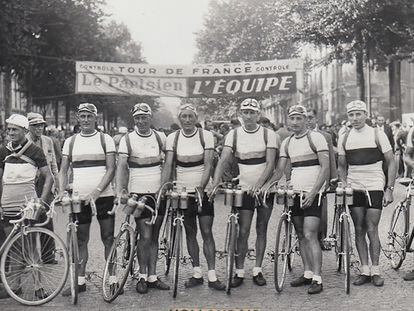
(141, 108)
(88, 107)
(297, 109)
(250, 104)
(356, 105)
(18, 120)
(35, 118)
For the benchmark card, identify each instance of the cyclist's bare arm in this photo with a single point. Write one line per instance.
(108, 177)
(167, 169)
(208, 163)
(323, 157)
(63, 174)
(278, 172)
(391, 168)
(47, 186)
(270, 165)
(225, 157)
(122, 174)
(409, 156)
(342, 168)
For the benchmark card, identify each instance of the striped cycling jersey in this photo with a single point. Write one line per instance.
(365, 158)
(250, 152)
(89, 162)
(144, 161)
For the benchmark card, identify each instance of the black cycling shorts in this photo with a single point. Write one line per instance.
(207, 208)
(151, 203)
(361, 200)
(103, 206)
(250, 203)
(314, 210)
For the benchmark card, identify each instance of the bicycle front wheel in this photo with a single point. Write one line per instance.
(346, 250)
(397, 237)
(282, 252)
(31, 274)
(166, 242)
(118, 264)
(176, 256)
(231, 248)
(73, 252)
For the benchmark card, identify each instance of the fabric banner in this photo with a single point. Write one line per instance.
(198, 80)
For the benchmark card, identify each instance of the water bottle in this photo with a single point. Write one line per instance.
(76, 202)
(280, 195)
(290, 194)
(66, 202)
(183, 198)
(228, 195)
(339, 191)
(238, 197)
(349, 194)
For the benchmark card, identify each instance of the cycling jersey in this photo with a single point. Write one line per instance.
(144, 161)
(189, 157)
(365, 158)
(89, 162)
(250, 153)
(304, 161)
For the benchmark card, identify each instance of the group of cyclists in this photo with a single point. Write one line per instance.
(146, 159)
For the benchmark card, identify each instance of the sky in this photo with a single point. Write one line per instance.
(166, 28)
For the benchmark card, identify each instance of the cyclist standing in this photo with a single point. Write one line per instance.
(190, 156)
(139, 171)
(308, 154)
(92, 156)
(361, 153)
(254, 147)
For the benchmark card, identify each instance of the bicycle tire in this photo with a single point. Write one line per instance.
(167, 241)
(73, 252)
(177, 256)
(50, 271)
(231, 249)
(282, 249)
(397, 237)
(338, 242)
(293, 246)
(120, 258)
(346, 244)
(135, 264)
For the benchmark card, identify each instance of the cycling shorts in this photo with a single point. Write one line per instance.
(250, 203)
(361, 200)
(314, 210)
(103, 206)
(207, 208)
(151, 203)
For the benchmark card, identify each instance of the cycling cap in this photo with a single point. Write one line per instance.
(88, 108)
(297, 109)
(18, 120)
(356, 105)
(141, 108)
(251, 104)
(187, 107)
(35, 118)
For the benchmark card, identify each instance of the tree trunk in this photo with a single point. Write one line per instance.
(29, 82)
(7, 92)
(394, 78)
(359, 62)
(56, 102)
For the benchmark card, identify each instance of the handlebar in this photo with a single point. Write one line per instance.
(27, 209)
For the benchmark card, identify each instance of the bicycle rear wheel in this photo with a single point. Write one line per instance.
(282, 252)
(24, 272)
(346, 250)
(230, 251)
(397, 237)
(73, 252)
(168, 234)
(338, 242)
(118, 264)
(176, 256)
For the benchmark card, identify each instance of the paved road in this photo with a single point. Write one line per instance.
(395, 295)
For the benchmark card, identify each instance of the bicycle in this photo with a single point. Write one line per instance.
(174, 226)
(118, 264)
(233, 198)
(26, 268)
(400, 238)
(287, 244)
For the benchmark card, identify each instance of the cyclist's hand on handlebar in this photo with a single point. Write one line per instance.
(308, 199)
(388, 198)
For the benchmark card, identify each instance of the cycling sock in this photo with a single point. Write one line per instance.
(317, 278)
(365, 270)
(197, 273)
(256, 270)
(152, 278)
(212, 275)
(240, 273)
(113, 279)
(81, 280)
(308, 274)
(142, 276)
(375, 270)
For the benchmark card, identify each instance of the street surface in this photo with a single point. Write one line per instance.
(396, 294)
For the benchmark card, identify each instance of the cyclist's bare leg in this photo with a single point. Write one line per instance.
(152, 264)
(372, 219)
(245, 223)
(83, 239)
(209, 246)
(107, 227)
(144, 244)
(298, 222)
(310, 233)
(262, 221)
(358, 217)
(190, 224)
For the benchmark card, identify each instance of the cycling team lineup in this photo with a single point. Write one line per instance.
(168, 185)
